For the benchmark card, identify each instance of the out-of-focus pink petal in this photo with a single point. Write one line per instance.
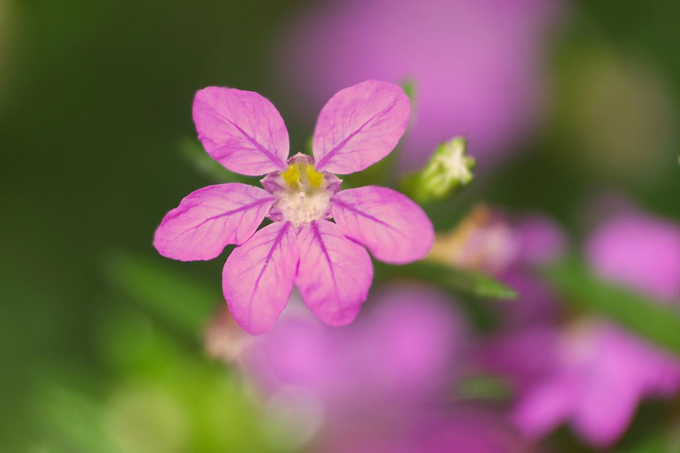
(241, 130)
(483, 78)
(640, 251)
(618, 375)
(334, 274)
(545, 407)
(257, 279)
(209, 219)
(463, 430)
(473, 430)
(298, 352)
(524, 355)
(409, 341)
(541, 239)
(359, 126)
(393, 358)
(393, 227)
(609, 399)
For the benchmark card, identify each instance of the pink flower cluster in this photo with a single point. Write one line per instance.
(381, 384)
(590, 373)
(600, 372)
(389, 381)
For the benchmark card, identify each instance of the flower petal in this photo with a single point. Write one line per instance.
(393, 227)
(334, 274)
(209, 219)
(545, 406)
(241, 130)
(257, 279)
(359, 126)
(613, 385)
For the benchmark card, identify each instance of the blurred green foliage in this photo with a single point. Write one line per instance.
(460, 281)
(184, 302)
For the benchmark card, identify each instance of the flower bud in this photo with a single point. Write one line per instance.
(447, 171)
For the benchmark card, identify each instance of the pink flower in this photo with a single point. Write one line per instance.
(485, 239)
(464, 431)
(398, 352)
(371, 377)
(244, 132)
(477, 64)
(541, 240)
(600, 373)
(640, 251)
(521, 348)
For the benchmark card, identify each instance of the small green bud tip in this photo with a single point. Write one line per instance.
(448, 170)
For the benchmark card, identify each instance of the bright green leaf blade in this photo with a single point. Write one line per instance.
(640, 314)
(454, 279)
(180, 299)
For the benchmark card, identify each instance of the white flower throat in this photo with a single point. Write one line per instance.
(302, 193)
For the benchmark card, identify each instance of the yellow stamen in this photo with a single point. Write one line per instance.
(299, 175)
(292, 175)
(315, 178)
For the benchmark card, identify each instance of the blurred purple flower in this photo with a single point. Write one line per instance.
(374, 373)
(522, 348)
(600, 372)
(477, 64)
(640, 251)
(327, 261)
(465, 430)
(540, 239)
(601, 375)
(489, 241)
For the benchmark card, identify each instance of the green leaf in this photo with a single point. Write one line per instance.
(458, 280)
(636, 312)
(180, 299)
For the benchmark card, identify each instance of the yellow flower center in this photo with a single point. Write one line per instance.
(303, 176)
(302, 193)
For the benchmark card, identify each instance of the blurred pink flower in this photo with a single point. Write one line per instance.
(477, 64)
(601, 375)
(489, 241)
(600, 372)
(466, 430)
(244, 132)
(540, 239)
(639, 251)
(372, 374)
(522, 348)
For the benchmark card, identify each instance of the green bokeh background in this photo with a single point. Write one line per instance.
(96, 99)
